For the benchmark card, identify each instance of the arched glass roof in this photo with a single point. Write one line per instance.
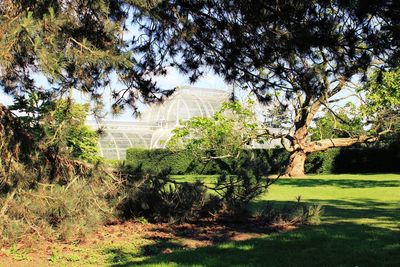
(153, 129)
(185, 103)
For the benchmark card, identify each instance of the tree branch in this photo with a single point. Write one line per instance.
(325, 144)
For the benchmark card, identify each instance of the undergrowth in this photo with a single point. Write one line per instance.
(45, 193)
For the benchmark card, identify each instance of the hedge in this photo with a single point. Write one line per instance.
(375, 158)
(184, 162)
(361, 159)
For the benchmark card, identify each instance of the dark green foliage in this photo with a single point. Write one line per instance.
(321, 162)
(156, 197)
(368, 160)
(382, 157)
(160, 159)
(378, 158)
(184, 162)
(180, 162)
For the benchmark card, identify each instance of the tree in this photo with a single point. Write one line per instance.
(65, 126)
(224, 135)
(382, 101)
(59, 125)
(47, 49)
(346, 122)
(71, 45)
(299, 55)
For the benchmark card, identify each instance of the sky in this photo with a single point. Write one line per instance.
(171, 80)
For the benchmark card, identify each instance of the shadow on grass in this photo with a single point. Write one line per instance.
(343, 244)
(331, 244)
(355, 209)
(341, 183)
(361, 209)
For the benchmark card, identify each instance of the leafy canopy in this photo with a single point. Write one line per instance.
(59, 125)
(382, 100)
(308, 47)
(71, 44)
(225, 134)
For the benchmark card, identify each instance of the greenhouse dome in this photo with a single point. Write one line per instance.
(154, 127)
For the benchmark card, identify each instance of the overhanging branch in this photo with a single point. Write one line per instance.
(325, 144)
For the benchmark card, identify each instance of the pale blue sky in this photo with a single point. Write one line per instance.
(171, 80)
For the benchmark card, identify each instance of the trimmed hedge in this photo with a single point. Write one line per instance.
(159, 159)
(361, 159)
(321, 162)
(375, 158)
(183, 162)
(368, 160)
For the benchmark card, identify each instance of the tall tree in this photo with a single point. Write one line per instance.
(70, 44)
(298, 54)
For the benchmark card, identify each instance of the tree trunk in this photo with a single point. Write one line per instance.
(295, 167)
(300, 146)
(298, 155)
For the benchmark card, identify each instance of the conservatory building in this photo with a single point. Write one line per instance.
(154, 127)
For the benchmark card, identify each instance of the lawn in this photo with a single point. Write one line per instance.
(360, 227)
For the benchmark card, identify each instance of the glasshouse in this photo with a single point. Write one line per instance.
(154, 127)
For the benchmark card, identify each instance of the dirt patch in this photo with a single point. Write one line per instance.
(144, 239)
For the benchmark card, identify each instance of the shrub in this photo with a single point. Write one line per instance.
(158, 198)
(184, 162)
(373, 158)
(322, 162)
(368, 159)
(159, 159)
(358, 159)
(54, 211)
(291, 214)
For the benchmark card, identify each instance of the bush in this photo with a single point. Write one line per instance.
(372, 158)
(184, 162)
(321, 162)
(159, 159)
(53, 211)
(368, 159)
(291, 214)
(156, 197)
(378, 157)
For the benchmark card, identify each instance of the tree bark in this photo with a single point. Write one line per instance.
(300, 146)
(295, 167)
(325, 144)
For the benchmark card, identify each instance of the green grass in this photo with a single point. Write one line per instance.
(360, 227)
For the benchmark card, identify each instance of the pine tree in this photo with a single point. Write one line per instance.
(297, 54)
